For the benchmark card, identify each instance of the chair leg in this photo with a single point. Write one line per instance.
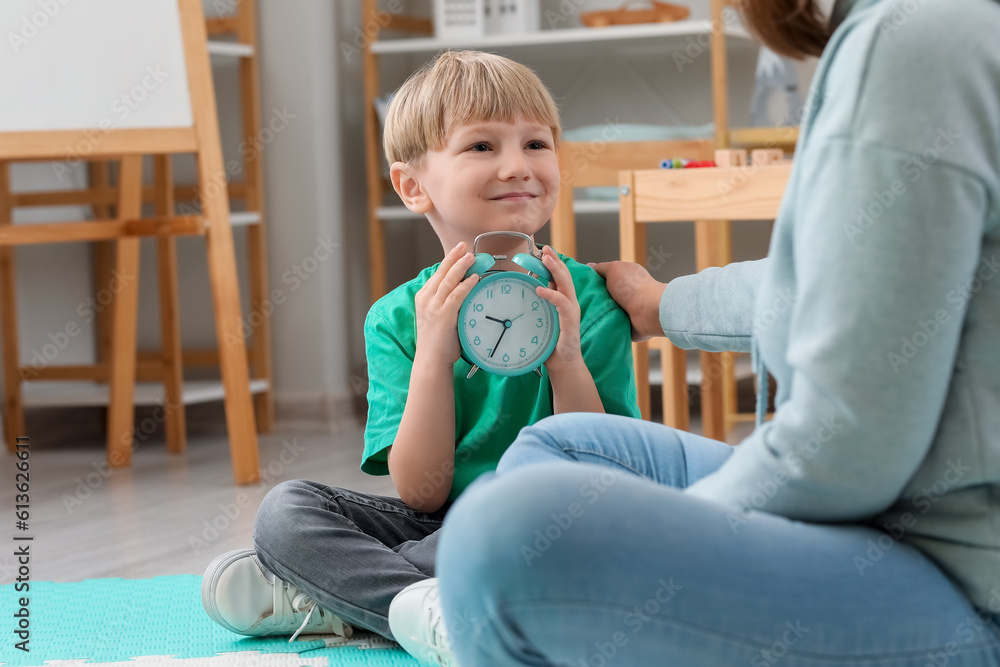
(124, 316)
(171, 355)
(676, 409)
(712, 412)
(640, 359)
(13, 408)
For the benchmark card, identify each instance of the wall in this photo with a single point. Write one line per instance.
(314, 166)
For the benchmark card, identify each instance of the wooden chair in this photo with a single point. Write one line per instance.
(707, 196)
(56, 124)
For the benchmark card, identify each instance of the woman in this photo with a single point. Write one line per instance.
(862, 524)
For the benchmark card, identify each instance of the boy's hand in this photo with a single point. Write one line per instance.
(437, 305)
(638, 293)
(563, 297)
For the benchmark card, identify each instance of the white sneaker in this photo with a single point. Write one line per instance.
(417, 623)
(243, 597)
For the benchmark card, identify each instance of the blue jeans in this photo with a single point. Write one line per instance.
(582, 551)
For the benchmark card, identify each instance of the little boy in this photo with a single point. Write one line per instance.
(471, 141)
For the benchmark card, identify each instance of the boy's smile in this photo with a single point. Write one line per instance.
(489, 176)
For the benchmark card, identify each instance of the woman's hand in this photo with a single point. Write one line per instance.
(638, 293)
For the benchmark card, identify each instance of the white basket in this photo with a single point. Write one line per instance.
(512, 17)
(456, 19)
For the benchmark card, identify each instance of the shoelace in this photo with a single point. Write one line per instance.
(439, 634)
(284, 611)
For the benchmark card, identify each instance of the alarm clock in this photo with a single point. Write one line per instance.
(504, 327)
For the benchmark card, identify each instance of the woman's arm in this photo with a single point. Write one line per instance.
(711, 310)
(874, 329)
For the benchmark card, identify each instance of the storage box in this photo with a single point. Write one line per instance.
(511, 17)
(458, 19)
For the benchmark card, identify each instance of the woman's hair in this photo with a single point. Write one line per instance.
(795, 28)
(457, 88)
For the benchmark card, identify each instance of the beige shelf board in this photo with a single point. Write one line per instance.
(94, 394)
(244, 218)
(230, 49)
(678, 30)
(743, 368)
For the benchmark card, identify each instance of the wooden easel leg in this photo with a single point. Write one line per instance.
(260, 341)
(103, 256)
(13, 412)
(124, 316)
(170, 328)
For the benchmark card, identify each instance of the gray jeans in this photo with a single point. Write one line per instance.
(351, 552)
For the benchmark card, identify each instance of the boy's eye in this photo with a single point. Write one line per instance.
(480, 147)
(537, 145)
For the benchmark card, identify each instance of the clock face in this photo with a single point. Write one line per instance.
(504, 327)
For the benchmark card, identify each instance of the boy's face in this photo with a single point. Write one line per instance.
(489, 176)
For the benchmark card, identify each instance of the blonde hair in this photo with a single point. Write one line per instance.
(457, 88)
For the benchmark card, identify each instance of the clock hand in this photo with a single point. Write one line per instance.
(498, 340)
(518, 317)
(494, 319)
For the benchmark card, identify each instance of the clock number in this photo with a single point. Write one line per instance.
(489, 293)
(506, 357)
(472, 324)
(523, 353)
(505, 289)
(535, 340)
(489, 351)
(476, 341)
(522, 293)
(539, 323)
(478, 307)
(534, 305)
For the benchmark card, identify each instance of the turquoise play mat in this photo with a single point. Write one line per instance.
(159, 621)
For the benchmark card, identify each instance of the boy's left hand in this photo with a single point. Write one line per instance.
(563, 297)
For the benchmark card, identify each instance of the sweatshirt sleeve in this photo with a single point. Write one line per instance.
(712, 310)
(883, 262)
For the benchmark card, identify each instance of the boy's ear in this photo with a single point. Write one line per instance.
(406, 183)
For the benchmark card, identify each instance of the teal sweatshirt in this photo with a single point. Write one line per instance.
(878, 307)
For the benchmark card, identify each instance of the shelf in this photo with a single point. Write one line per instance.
(231, 49)
(95, 394)
(244, 218)
(678, 31)
(580, 207)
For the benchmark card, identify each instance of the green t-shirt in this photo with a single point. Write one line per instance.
(490, 410)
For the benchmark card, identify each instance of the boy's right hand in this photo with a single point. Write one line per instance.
(437, 305)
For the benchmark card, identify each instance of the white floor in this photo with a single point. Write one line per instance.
(166, 514)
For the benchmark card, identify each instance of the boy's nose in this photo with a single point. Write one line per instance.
(514, 165)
